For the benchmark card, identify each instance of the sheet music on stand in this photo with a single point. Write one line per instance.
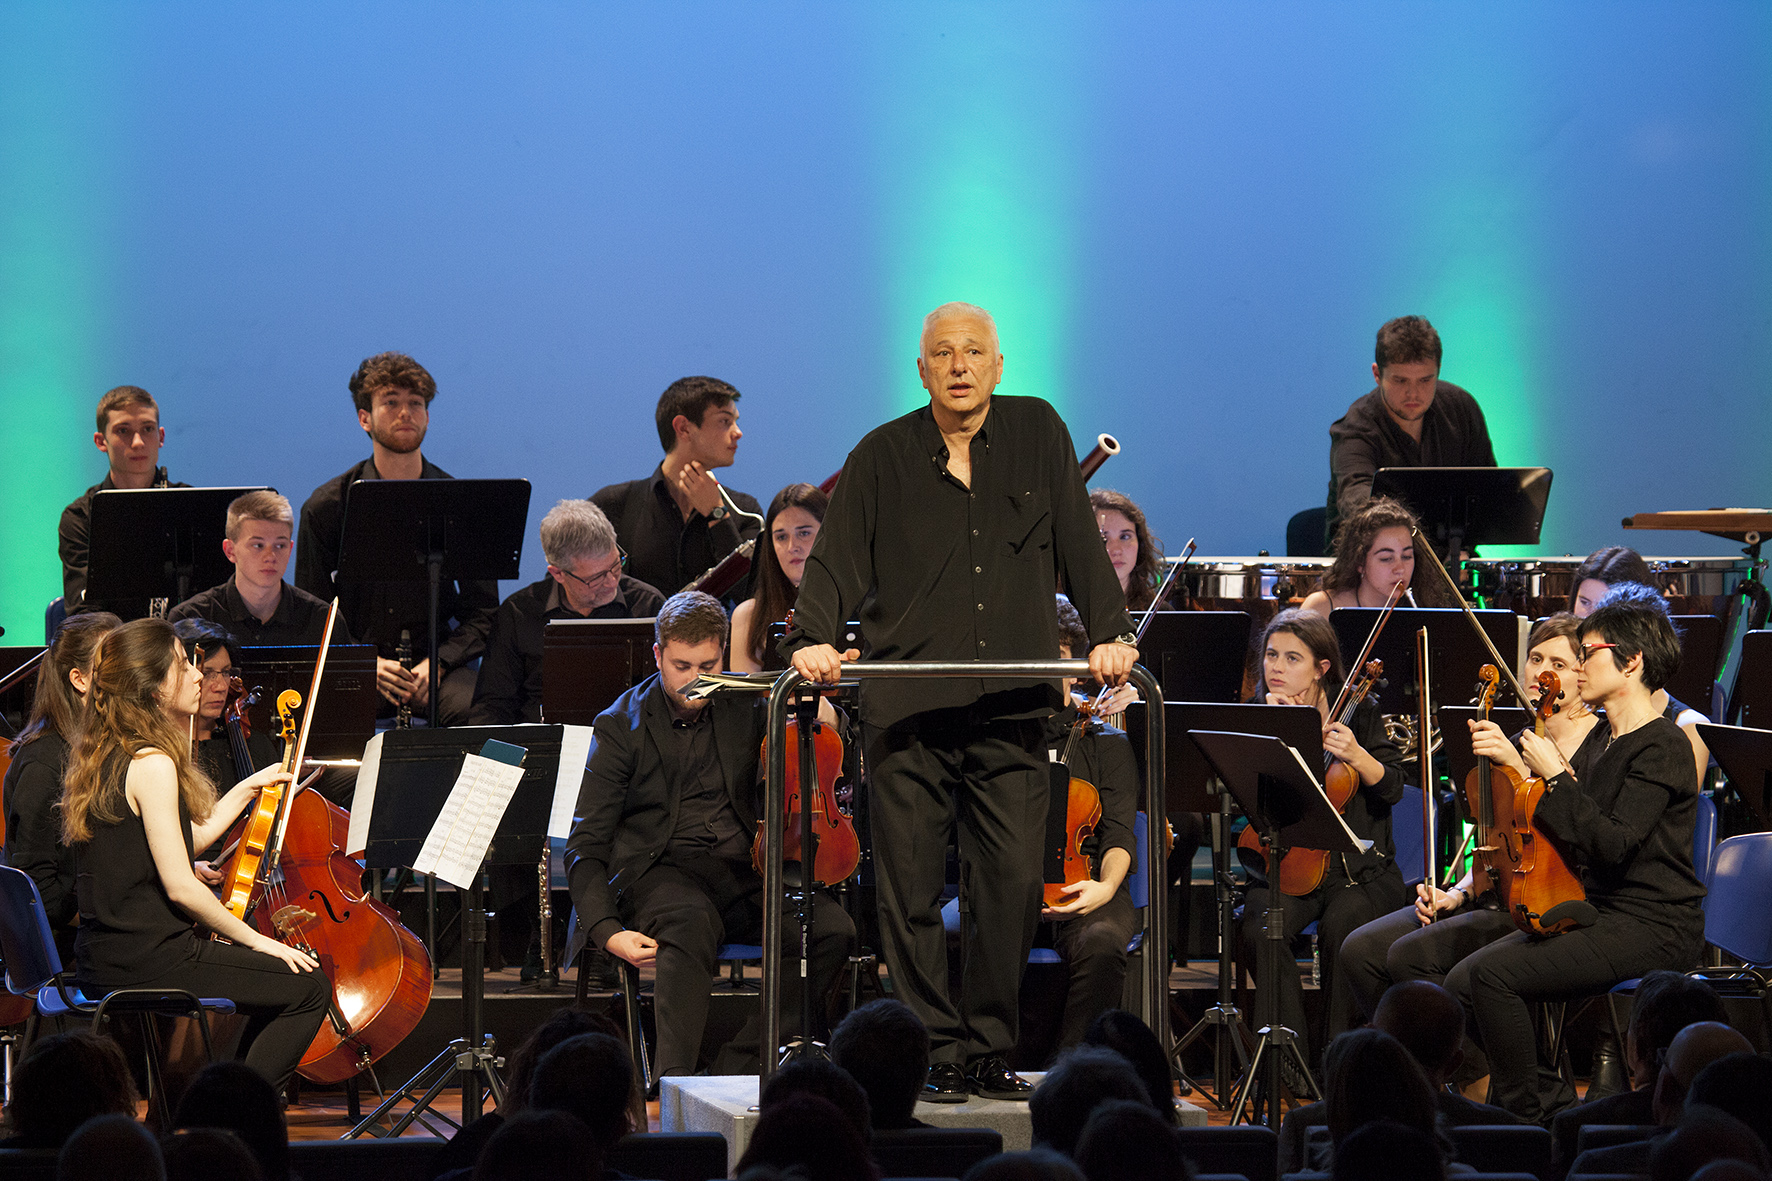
(456, 847)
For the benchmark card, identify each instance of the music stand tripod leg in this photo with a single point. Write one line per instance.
(1223, 1020)
(1275, 1043)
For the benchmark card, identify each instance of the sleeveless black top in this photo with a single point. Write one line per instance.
(131, 932)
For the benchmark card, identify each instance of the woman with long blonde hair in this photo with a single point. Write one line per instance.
(135, 808)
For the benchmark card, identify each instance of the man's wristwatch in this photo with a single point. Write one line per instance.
(1130, 639)
(719, 513)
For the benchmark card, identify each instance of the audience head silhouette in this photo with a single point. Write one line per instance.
(64, 1080)
(1132, 1039)
(1694, 1048)
(208, 1154)
(1127, 1141)
(815, 1076)
(885, 1048)
(1703, 1135)
(1391, 1150)
(114, 1147)
(1372, 1077)
(589, 1076)
(1667, 1002)
(1039, 1164)
(808, 1134)
(1428, 1022)
(234, 1096)
(540, 1144)
(1083, 1077)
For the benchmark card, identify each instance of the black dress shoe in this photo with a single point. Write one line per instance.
(946, 1084)
(991, 1078)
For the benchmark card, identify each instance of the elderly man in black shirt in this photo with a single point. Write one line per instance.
(1412, 419)
(659, 860)
(674, 524)
(948, 532)
(586, 580)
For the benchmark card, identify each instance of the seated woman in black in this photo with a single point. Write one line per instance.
(1627, 824)
(1669, 706)
(134, 807)
(33, 788)
(1136, 554)
(789, 529)
(218, 655)
(1425, 941)
(1301, 665)
(1374, 550)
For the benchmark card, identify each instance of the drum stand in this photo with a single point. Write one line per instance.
(1276, 1045)
(1223, 1020)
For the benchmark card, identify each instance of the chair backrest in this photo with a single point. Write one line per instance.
(54, 616)
(27, 945)
(1251, 1150)
(1606, 1135)
(670, 1156)
(933, 1152)
(1736, 917)
(28, 1164)
(1406, 828)
(1704, 838)
(397, 1158)
(1504, 1148)
(1306, 533)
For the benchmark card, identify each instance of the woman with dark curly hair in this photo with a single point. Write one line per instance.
(1603, 569)
(789, 529)
(1374, 550)
(1137, 555)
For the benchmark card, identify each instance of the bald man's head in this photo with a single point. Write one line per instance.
(1429, 1022)
(1694, 1048)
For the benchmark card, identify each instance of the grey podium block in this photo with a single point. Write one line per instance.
(727, 1104)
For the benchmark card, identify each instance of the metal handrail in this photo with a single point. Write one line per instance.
(1154, 990)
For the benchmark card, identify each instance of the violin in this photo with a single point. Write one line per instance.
(1302, 870)
(1546, 896)
(239, 726)
(1082, 812)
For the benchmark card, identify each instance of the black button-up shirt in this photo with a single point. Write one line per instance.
(74, 541)
(935, 570)
(508, 689)
(300, 618)
(706, 820)
(1366, 438)
(664, 550)
(378, 611)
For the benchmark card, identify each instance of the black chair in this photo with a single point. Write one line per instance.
(1504, 1148)
(669, 1156)
(28, 1164)
(34, 968)
(1307, 533)
(394, 1158)
(933, 1152)
(1606, 1135)
(1251, 1150)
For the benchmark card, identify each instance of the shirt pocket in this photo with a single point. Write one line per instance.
(1027, 528)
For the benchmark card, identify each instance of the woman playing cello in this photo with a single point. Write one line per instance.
(135, 806)
(1301, 665)
(790, 527)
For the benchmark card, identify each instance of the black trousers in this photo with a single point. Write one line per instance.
(1498, 982)
(1338, 907)
(938, 773)
(1094, 950)
(691, 907)
(283, 1009)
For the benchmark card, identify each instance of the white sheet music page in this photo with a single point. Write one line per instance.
(575, 749)
(363, 802)
(456, 846)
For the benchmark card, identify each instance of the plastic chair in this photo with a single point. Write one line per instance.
(1504, 1148)
(932, 1152)
(33, 967)
(1406, 829)
(670, 1156)
(397, 1158)
(1307, 533)
(1251, 1150)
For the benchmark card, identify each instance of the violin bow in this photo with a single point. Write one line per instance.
(1390, 604)
(1424, 751)
(1144, 623)
(307, 724)
(1507, 669)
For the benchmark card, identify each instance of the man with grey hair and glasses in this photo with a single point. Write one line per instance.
(587, 579)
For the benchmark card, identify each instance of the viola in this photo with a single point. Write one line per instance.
(1302, 870)
(1082, 812)
(1546, 897)
(836, 848)
(239, 726)
(1490, 808)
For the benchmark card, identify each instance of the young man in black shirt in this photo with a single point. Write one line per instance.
(586, 580)
(130, 435)
(256, 606)
(968, 502)
(393, 394)
(674, 524)
(659, 860)
(1412, 419)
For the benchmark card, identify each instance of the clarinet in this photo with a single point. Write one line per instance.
(403, 711)
(549, 977)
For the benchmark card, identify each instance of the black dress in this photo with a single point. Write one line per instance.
(132, 935)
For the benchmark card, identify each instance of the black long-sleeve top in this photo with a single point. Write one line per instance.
(32, 794)
(935, 570)
(299, 618)
(666, 550)
(1366, 438)
(1629, 821)
(1102, 756)
(378, 611)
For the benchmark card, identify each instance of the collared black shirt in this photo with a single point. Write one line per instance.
(74, 541)
(300, 618)
(664, 550)
(1366, 438)
(508, 689)
(938, 571)
(706, 821)
(378, 611)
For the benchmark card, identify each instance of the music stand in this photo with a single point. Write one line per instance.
(344, 719)
(1701, 650)
(1197, 655)
(429, 530)
(158, 543)
(403, 790)
(773, 661)
(587, 663)
(1283, 795)
(1454, 651)
(1464, 507)
(1750, 696)
(1745, 756)
(1461, 760)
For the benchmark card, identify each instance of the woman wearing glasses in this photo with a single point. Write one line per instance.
(587, 579)
(789, 529)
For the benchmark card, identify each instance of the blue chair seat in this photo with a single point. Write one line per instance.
(61, 1001)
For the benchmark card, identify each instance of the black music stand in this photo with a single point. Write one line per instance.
(416, 773)
(1454, 651)
(1746, 759)
(587, 663)
(1464, 507)
(430, 530)
(1701, 651)
(344, 720)
(1283, 796)
(158, 543)
(1197, 655)
(1189, 786)
(1750, 695)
